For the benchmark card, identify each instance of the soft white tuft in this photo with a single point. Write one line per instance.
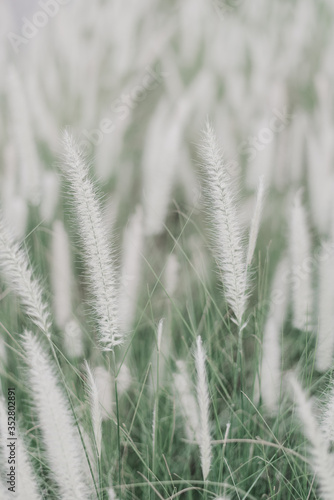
(16, 268)
(99, 260)
(61, 438)
(228, 240)
(322, 461)
(203, 400)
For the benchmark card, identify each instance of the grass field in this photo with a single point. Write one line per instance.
(166, 251)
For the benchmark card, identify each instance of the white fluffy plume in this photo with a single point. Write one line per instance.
(203, 401)
(255, 224)
(27, 488)
(228, 239)
(60, 435)
(98, 257)
(96, 414)
(16, 268)
(322, 461)
(61, 274)
(325, 342)
(300, 253)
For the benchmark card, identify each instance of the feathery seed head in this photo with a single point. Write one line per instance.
(61, 438)
(228, 238)
(98, 257)
(322, 461)
(17, 270)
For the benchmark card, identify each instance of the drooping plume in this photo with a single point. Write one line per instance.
(98, 257)
(16, 268)
(228, 239)
(63, 447)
